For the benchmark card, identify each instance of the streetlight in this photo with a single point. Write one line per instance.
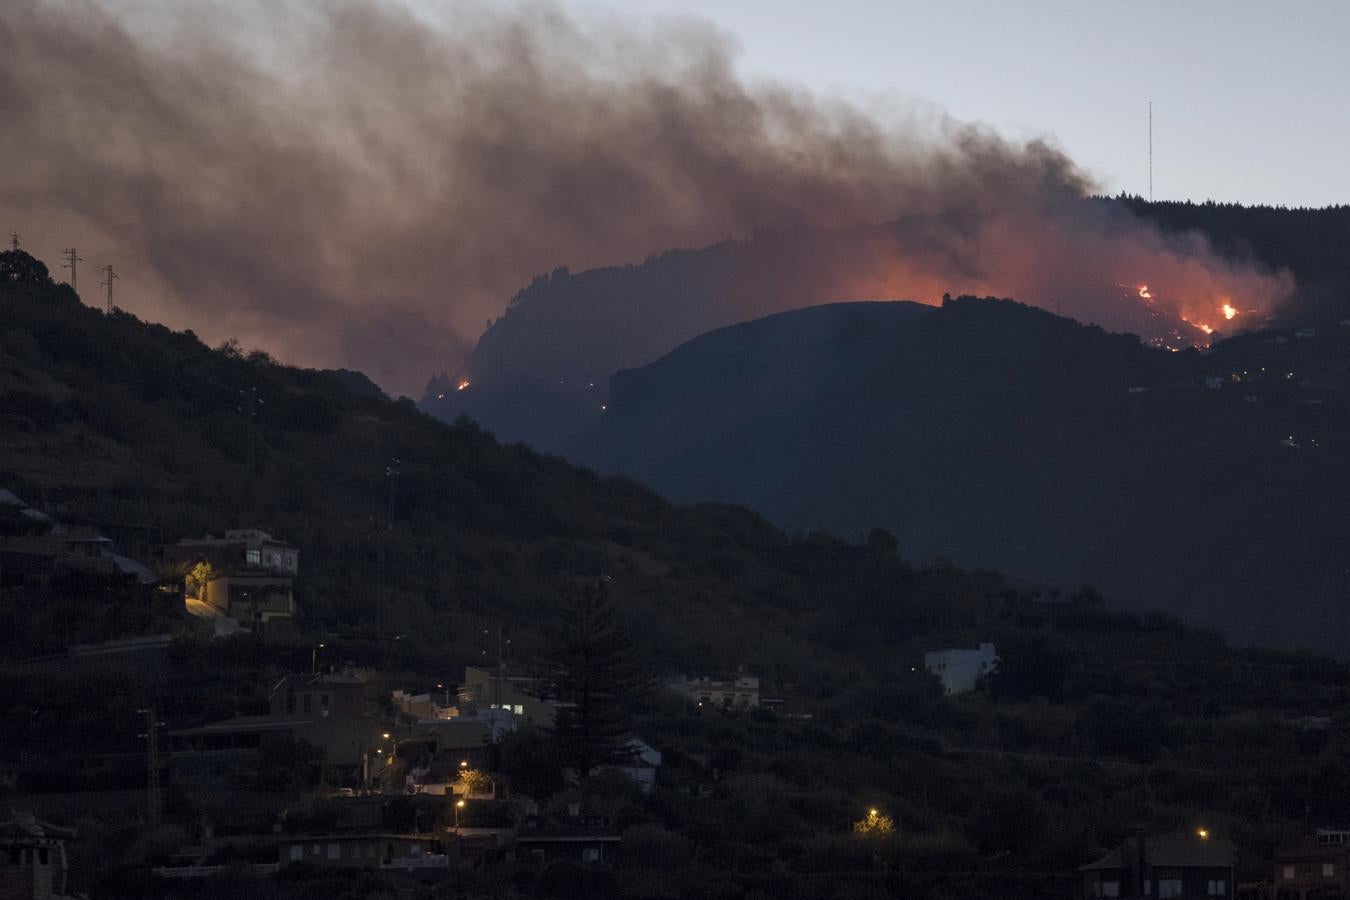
(314, 659)
(458, 806)
(1202, 833)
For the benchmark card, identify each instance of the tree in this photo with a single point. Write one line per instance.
(15, 265)
(594, 667)
(875, 823)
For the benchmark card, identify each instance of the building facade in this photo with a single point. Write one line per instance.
(960, 670)
(247, 576)
(722, 691)
(1319, 867)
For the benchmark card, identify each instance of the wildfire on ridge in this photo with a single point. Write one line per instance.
(462, 385)
(1229, 311)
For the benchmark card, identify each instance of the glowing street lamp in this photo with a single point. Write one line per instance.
(458, 806)
(1202, 833)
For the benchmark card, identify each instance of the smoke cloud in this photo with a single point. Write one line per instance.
(349, 184)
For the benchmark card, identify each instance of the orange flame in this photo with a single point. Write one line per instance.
(1229, 311)
(1144, 293)
(462, 385)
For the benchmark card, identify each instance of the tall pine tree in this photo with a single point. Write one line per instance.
(594, 670)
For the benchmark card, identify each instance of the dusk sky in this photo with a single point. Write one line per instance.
(1248, 102)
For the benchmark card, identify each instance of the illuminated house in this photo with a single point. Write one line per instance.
(246, 576)
(32, 858)
(960, 670)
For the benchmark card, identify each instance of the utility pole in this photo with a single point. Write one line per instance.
(71, 259)
(152, 763)
(1150, 151)
(14, 240)
(391, 472)
(109, 276)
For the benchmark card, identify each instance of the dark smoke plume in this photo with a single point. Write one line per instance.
(346, 183)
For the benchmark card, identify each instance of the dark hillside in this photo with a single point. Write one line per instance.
(1207, 484)
(1098, 722)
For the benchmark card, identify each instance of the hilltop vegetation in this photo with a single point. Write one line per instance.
(1098, 723)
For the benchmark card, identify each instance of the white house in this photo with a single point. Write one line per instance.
(959, 670)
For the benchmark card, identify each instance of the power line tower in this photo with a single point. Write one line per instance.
(14, 240)
(72, 258)
(151, 736)
(109, 276)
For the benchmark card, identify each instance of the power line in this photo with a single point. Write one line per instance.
(71, 259)
(108, 277)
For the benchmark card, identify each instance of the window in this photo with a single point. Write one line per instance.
(323, 700)
(253, 556)
(1110, 889)
(1328, 870)
(590, 854)
(315, 849)
(308, 704)
(335, 851)
(1218, 888)
(1288, 873)
(1169, 887)
(518, 709)
(297, 852)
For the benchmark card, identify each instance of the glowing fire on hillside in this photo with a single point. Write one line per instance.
(464, 383)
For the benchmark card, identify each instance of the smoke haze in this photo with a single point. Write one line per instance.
(348, 184)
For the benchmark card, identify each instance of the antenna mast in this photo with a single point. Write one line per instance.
(14, 240)
(1150, 151)
(71, 259)
(108, 276)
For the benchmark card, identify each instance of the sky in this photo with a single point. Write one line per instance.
(367, 183)
(1249, 99)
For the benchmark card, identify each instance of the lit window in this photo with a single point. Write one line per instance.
(1169, 887)
(518, 709)
(590, 854)
(297, 852)
(1328, 870)
(253, 556)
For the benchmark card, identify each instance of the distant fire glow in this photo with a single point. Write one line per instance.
(1144, 293)
(462, 385)
(1229, 311)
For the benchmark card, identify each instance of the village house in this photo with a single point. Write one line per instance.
(326, 710)
(32, 858)
(1177, 866)
(641, 766)
(366, 850)
(583, 839)
(246, 576)
(724, 691)
(512, 693)
(321, 694)
(1319, 867)
(960, 670)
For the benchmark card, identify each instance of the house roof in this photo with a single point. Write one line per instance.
(308, 681)
(246, 725)
(27, 825)
(1179, 850)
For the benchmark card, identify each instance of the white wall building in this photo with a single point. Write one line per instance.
(959, 670)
